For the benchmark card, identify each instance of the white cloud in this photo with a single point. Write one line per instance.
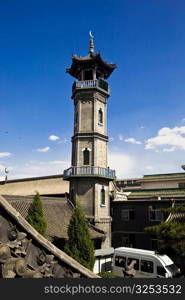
(58, 162)
(132, 141)
(5, 154)
(149, 167)
(137, 164)
(53, 137)
(173, 137)
(64, 141)
(122, 163)
(46, 149)
(39, 168)
(120, 137)
(2, 168)
(169, 149)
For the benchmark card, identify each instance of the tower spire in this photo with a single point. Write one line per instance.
(91, 48)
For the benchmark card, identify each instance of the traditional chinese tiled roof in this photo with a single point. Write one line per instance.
(79, 62)
(156, 192)
(164, 176)
(155, 177)
(57, 212)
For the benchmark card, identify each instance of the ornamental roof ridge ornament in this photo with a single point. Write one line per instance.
(91, 48)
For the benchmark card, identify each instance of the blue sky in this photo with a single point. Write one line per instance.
(146, 110)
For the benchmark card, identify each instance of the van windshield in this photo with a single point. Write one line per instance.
(173, 269)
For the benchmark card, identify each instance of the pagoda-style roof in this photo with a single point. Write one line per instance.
(91, 60)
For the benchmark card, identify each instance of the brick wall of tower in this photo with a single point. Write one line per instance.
(86, 116)
(100, 155)
(83, 190)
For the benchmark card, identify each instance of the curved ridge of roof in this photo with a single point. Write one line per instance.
(92, 56)
(79, 61)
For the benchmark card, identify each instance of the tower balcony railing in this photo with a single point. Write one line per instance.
(88, 84)
(89, 171)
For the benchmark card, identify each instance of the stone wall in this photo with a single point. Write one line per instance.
(44, 185)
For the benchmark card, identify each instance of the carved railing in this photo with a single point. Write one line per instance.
(89, 171)
(87, 84)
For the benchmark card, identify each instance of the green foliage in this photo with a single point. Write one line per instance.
(171, 236)
(108, 275)
(79, 245)
(176, 209)
(36, 217)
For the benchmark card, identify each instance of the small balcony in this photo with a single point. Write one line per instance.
(100, 84)
(89, 172)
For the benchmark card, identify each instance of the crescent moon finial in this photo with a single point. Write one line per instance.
(91, 35)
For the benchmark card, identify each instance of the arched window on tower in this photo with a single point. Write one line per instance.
(76, 120)
(102, 196)
(100, 116)
(86, 157)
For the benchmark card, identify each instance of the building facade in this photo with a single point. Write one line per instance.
(89, 175)
(146, 198)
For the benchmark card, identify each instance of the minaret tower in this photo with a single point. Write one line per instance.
(89, 174)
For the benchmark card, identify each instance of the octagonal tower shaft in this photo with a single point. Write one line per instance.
(89, 174)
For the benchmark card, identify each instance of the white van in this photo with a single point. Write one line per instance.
(132, 262)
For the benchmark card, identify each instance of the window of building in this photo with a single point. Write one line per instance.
(127, 240)
(86, 157)
(76, 120)
(100, 116)
(102, 200)
(155, 213)
(147, 266)
(88, 75)
(127, 214)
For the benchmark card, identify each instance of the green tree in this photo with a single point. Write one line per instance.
(79, 245)
(171, 235)
(36, 216)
